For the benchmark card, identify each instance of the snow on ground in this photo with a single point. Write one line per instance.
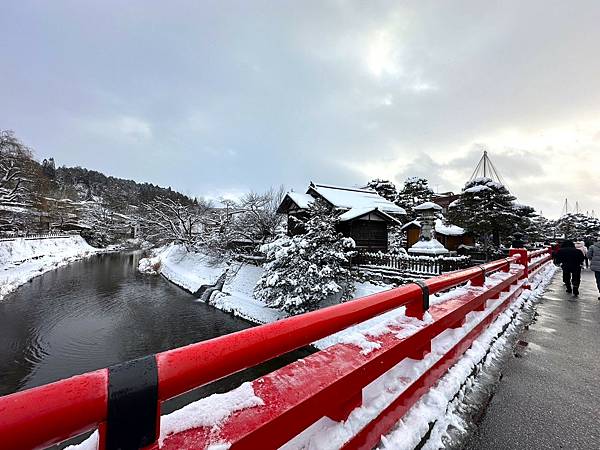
(23, 259)
(186, 269)
(193, 270)
(237, 296)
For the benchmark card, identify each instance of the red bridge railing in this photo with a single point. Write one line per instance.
(123, 401)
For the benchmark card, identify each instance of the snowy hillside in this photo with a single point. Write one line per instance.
(23, 259)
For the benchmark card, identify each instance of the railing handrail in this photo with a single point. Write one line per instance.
(186, 368)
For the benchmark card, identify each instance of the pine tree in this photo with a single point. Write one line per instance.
(577, 226)
(539, 229)
(305, 269)
(486, 209)
(415, 191)
(385, 188)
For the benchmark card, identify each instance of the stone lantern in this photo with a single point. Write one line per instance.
(427, 243)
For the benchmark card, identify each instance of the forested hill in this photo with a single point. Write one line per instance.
(78, 183)
(38, 197)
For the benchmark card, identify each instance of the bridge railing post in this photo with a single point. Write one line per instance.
(523, 255)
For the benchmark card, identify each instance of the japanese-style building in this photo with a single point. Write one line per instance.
(363, 214)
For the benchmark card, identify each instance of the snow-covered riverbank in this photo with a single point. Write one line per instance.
(23, 259)
(192, 271)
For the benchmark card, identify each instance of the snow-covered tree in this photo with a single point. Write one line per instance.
(578, 226)
(539, 229)
(416, 190)
(396, 240)
(305, 269)
(486, 209)
(15, 171)
(253, 220)
(385, 188)
(166, 220)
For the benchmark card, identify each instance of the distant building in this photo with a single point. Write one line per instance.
(444, 199)
(364, 215)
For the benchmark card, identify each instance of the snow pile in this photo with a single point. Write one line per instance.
(23, 259)
(364, 335)
(238, 298)
(190, 270)
(209, 412)
(431, 247)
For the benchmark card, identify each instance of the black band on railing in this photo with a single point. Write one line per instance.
(425, 290)
(132, 404)
(482, 268)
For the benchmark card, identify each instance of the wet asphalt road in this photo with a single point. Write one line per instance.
(549, 396)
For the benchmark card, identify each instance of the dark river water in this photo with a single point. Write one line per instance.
(101, 311)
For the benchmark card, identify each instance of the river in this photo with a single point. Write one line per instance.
(101, 311)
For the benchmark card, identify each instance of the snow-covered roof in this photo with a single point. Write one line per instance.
(349, 198)
(440, 227)
(355, 213)
(428, 205)
(409, 224)
(302, 200)
(449, 229)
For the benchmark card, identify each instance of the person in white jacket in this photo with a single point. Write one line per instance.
(580, 245)
(594, 256)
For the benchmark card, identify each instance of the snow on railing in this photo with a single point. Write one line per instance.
(50, 235)
(123, 402)
(426, 265)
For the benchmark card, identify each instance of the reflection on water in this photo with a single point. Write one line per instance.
(101, 311)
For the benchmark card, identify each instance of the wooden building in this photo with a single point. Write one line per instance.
(363, 214)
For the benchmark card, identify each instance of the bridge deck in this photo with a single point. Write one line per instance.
(550, 397)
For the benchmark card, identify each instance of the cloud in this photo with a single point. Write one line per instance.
(229, 96)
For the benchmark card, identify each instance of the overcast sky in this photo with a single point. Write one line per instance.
(215, 98)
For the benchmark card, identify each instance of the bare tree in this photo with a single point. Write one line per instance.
(167, 220)
(15, 165)
(254, 219)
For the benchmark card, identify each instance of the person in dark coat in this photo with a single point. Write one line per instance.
(570, 259)
(518, 241)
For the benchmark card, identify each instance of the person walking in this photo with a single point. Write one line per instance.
(570, 259)
(594, 257)
(580, 245)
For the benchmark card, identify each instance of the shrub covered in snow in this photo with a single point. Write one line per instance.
(304, 270)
